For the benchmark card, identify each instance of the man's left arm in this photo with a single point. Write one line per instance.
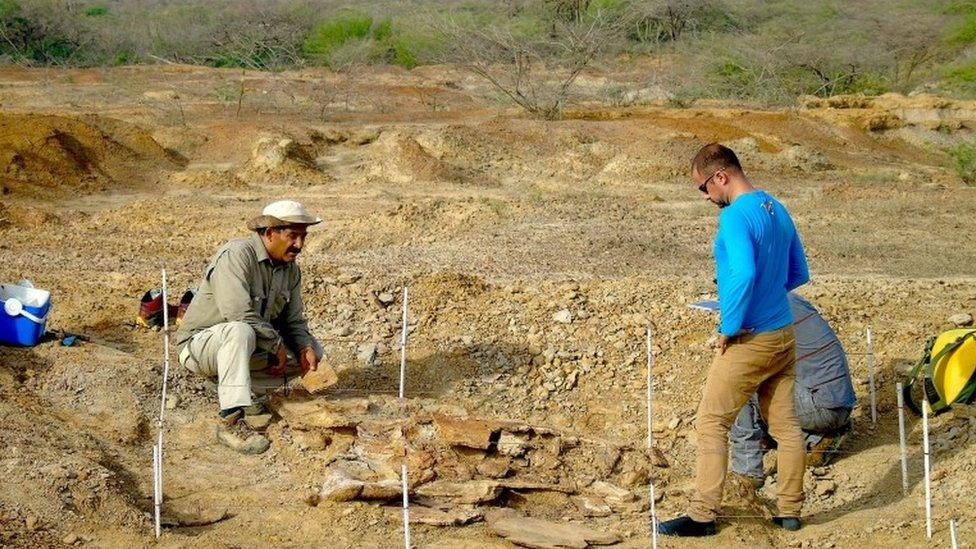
(294, 328)
(799, 272)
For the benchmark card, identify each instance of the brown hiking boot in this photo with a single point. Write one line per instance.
(825, 451)
(231, 419)
(236, 435)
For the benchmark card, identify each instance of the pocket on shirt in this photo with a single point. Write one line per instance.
(258, 303)
(280, 302)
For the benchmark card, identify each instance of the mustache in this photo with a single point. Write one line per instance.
(293, 250)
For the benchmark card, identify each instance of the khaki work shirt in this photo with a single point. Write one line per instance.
(241, 284)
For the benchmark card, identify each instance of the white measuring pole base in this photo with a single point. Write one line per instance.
(406, 506)
(653, 519)
(901, 438)
(952, 533)
(925, 455)
(156, 492)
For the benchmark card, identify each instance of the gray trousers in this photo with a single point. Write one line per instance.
(227, 351)
(749, 430)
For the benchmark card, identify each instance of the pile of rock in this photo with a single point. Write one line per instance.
(460, 467)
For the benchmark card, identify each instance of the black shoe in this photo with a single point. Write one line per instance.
(686, 527)
(788, 523)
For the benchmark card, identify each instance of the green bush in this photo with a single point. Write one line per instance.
(31, 42)
(329, 35)
(96, 11)
(963, 158)
(963, 32)
(961, 77)
(409, 48)
(383, 31)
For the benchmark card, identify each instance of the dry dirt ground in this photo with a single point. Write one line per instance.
(536, 254)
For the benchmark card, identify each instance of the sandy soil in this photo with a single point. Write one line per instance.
(496, 222)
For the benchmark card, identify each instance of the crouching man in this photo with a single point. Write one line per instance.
(823, 397)
(250, 304)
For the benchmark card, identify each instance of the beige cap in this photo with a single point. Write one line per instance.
(283, 213)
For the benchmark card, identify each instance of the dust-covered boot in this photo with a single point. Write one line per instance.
(234, 434)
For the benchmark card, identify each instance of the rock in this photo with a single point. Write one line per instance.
(182, 515)
(368, 353)
(571, 380)
(270, 153)
(310, 440)
(592, 506)
(347, 279)
(532, 532)
(494, 467)
(474, 491)
(826, 487)
(634, 478)
(469, 433)
(961, 319)
(613, 495)
(259, 422)
(31, 523)
(385, 298)
(563, 317)
(437, 517)
(528, 485)
(313, 413)
(382, 490)
(339, 486)
(172, 402)
(70, 539)
(674, 423)
(319, 379)
(512, 445)
(657, 458)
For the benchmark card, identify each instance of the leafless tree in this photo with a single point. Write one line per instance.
(535, 72)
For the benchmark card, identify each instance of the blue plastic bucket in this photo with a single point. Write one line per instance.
(23, 314)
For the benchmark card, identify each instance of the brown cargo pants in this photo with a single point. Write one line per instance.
(761, 363)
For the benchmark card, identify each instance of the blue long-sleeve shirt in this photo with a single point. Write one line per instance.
(758, 259)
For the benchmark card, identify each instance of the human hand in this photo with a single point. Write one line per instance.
(308, 360)
(722, 344)
(281, 361)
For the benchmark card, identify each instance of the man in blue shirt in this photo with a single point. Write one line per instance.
(823, 397)
(758, 259)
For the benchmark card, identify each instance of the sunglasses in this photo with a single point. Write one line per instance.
(703, 188)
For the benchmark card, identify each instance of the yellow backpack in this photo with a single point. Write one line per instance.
(950, 371)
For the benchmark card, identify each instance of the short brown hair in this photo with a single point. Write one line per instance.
(714, 157)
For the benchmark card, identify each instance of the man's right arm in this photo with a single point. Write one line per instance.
(735, 290)
(230, 280)
(799, 273)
